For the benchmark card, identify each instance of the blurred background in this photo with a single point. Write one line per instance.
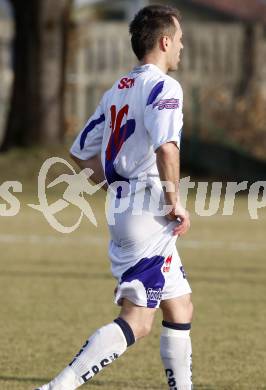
(56, 60)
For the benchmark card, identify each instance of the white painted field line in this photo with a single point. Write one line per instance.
(221, 244)
(34, 239)
(236, 217)
(45, 239)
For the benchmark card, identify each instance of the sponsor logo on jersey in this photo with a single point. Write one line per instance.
(154, 295)
(126, 82)
(169, 104)
(167, 264)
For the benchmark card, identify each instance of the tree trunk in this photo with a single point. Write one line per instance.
(36, 109)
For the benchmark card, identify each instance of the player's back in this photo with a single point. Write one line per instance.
(131, 110)
(141, 111)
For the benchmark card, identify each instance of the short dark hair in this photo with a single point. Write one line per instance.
(149, 24)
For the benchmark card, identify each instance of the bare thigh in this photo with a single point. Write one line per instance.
(139, 318)
(177, 310)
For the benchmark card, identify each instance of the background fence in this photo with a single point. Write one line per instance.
(212, 69)
(101, 53)
(217, 61)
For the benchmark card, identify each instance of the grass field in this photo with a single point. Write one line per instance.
(56, 289)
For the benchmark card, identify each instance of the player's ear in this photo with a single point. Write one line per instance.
(164, 42)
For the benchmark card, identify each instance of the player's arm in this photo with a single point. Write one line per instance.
(163, 119)
(95, 164)
(167, 158)
(168, 163)
(86, 148)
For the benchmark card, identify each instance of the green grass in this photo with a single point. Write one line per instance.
(57, 289)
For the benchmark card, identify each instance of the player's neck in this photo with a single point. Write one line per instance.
(152, 59)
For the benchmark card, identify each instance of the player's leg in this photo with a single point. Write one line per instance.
(105, 346)
(175, 345)
(140, 318)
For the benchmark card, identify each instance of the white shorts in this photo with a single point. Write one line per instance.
(152, 280)
(144, 259)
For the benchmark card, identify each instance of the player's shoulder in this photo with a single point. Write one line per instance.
(157, 80)
(162, 86)
(171, 84)
(106, 96)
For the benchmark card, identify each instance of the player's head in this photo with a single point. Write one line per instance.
(156, 30)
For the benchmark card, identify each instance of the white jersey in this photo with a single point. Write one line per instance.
(142, 111)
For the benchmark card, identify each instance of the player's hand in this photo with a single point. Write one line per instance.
(181, 216)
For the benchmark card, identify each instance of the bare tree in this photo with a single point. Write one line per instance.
(39, 56)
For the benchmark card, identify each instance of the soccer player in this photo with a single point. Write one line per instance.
(134, 134)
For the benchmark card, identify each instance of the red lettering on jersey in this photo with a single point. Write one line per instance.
(116, 120)
(125, 82)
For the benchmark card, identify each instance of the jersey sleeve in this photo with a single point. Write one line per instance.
(89, 141)
(163, 116)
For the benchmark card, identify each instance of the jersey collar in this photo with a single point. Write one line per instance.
(146, 68)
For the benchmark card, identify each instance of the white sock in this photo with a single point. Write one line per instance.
(176, 354)
(101, 349)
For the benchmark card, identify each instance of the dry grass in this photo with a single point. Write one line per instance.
(56, 289)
